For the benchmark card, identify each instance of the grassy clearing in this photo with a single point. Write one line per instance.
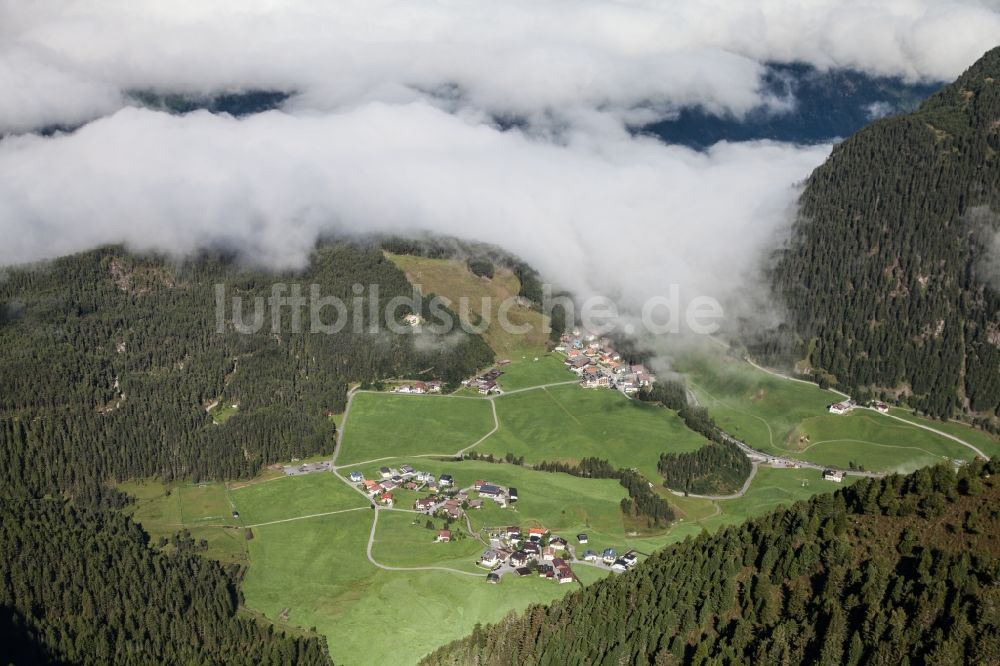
(163, 510)
(871, 439)
(452, 279)
(403, 540)
(383, 424)
(323, 579)
(292, 497)
(985, 442)
(222, 413)
(568, 423)
(524, 371)
(789, 418)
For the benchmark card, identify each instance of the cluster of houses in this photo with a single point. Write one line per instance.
(536, 551)
(611, 559)
(845, 406)
(452, 504)
(600, 366)
(486, 383)
(405, 477)
(419, 387)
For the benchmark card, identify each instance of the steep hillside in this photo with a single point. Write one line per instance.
(114, 366)
(82, 586)
(898, 570)
(886, 277)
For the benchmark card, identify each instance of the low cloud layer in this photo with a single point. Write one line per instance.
(392, 125)
(62, 61)
(599, 211)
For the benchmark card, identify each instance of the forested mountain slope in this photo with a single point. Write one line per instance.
(108, 362)
(81, 586)
(901, 570)
(113, 366)
(886, 277)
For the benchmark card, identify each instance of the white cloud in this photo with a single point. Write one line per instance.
(518, 56)
(599, 211)
(365, 146)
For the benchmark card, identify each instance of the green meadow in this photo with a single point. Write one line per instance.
(314, 573)
(384, 425)
(534, 368)
(293, 496)
(790, 418)
(568, 423)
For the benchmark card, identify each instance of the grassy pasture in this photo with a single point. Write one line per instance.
(790, 418)
(452, 279)
(568, 423)
(389, 425)
(524, 371)
(292, 497)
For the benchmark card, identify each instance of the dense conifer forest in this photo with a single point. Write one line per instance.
(113, 366)
(900, 570)
(887, 277)
(82, 586)
(109, 361)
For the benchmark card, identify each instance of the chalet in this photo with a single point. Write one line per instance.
(418, 387)
(490, 490)
(434, 387)
(479, 483)
(531, 549)
(522, 571)
(388, 484)
(425, 504)
(619, 566)
(386, 499)
(558, 562)
(564, 575)
(842, 407)
(396, 478)
(405, 388)
(407, 470)
(582, 538)
(589, 556)
(833, 475)
(545, 571)
(512, 494)
(493, 579)
(443, 536)
(385, 472)
(490, 559)
(424, 477)
(578, 364)
(549, 554)
(488, 386)
(557, 543)
(476, 504)
(446, 480)
(410, 485)
(536, 533)
(630, 558)
(637, 369)
(609, 555)
(357, 477)
(372, 487)
(519, 559)
(880, 407)
(513, 532)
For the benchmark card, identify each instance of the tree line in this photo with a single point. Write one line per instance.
(896, 570)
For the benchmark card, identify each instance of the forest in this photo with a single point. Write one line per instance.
(112, 367)
(887, 275)
(899, 570)
(109, 362)
(82, 586)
